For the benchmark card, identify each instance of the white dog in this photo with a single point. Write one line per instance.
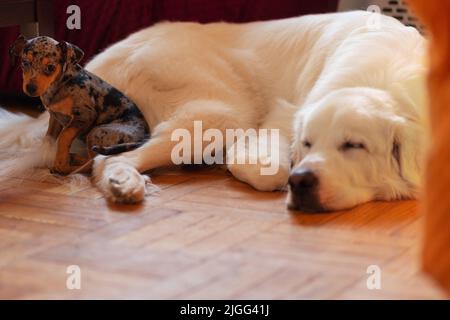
(345, 93)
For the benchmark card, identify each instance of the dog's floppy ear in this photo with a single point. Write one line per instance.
(296, 154)
(408, 144)
(15, 50)
(70, 53)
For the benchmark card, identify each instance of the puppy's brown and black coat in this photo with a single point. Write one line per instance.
(80, 104)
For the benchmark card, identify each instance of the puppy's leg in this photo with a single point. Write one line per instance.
(116, 137)
(106, 136)
(54, 127)
(118, 177)
(62, 160)
(268, 159)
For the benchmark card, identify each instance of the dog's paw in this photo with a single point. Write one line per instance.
(126, 185)
(260, 174)
(119, 181)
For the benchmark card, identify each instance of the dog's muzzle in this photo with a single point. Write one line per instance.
(303, 184)
(31, 89)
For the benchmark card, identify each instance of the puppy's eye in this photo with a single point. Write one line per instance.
(25, 64)
(307, 144)
(50, 69)
(352, 145)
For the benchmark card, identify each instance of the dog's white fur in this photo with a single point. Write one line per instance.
(327, 78)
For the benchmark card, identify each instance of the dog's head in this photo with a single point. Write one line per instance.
(351, 147)
(43, 61)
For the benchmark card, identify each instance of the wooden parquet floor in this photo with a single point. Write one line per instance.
(205, 235)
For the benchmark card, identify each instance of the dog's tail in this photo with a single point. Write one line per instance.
(23, 146)
(118, 148)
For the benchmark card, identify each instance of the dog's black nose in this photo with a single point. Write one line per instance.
(31, 88)
(304, 191)
(302, 180)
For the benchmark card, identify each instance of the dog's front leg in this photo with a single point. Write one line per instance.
(62, 163)
(268, 165)
(54, 127)
(119, 178)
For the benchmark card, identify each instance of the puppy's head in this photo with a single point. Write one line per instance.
(43, 61)
(351, 147)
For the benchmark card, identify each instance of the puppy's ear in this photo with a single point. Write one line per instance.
(408, 145)
(70, 53)
(75, 54)
(16, 49)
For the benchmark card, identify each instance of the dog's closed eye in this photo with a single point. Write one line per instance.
(307, 144)
(349, 145)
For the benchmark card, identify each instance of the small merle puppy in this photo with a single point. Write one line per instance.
(80, 104)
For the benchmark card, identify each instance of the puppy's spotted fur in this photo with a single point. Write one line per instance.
(80, 104)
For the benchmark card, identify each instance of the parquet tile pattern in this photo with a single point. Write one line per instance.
(205, 235)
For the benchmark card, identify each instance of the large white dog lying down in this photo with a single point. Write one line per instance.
(345, 92)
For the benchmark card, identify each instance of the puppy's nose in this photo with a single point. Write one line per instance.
(31, 88)
(303, 180)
